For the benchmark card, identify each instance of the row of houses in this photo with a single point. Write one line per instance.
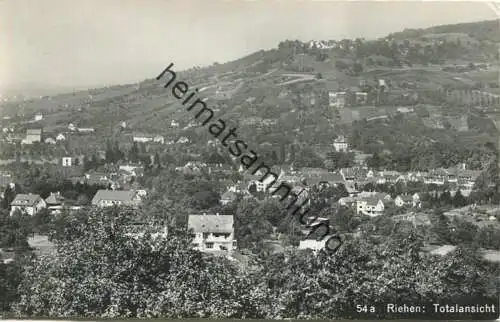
(32, 204)
(159, 139)
(37, 135)
(459, 176)
(374, 203)
(211, 233)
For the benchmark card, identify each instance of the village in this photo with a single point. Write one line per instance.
(359, 174)
(404, 196)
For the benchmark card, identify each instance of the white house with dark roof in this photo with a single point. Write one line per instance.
(371, 206)
(107, 198)
(50, 141)
(159, 139)
(142, 137)
(212, 233)
(27, 203)
(60, 137)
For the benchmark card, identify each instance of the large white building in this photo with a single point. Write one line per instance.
(371, 206)
(213, 233)
(30, 204)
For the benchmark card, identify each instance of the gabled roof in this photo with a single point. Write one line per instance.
(34, 131)
(22, 199)
(142, 135)
(114, 195)
(228, 195)
(406, 198)
(54, 199)
(373, 201)
(329, 177)
(211, 223)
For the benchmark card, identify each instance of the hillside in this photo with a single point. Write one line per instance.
(281, 95)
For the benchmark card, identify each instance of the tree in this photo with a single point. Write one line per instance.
(459, 200)
(109, 153)
(110, 269)
(357, 68)
(157, 160)
(9, 195)
(14, 230)
(10, 278)
(133, 153)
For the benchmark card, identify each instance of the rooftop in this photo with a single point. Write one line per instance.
(115, 195)
(211, 223)
(34, 131)
(22, 199)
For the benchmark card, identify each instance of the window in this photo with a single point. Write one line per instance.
(209, 245)
(225, 235)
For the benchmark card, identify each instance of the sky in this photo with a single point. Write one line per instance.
(91, 43)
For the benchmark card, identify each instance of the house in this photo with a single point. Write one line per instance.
(212, 233)
(32, 136)
(337, 99)
(183, 140)
(361, 98)
(132, 170)
(174, 123)
(60, 137)
(227, 197)
(324, 180)
(71, 127)
(340, 144)
(159, 139)
(371, 206)
(407, 200)
(106, 198)
(5, 180)
(85, 130)
(54, 202)
(67, 161)
(353, 174)
(403, 200)
(347, 201)
(50, 141)
(259, 186)
(38, 117)
(417, 219)
(27, 203)
(192, 167)
(97, 178)
(314, 244)
(142, 138)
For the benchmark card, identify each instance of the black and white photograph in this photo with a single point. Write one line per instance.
(263, 160)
